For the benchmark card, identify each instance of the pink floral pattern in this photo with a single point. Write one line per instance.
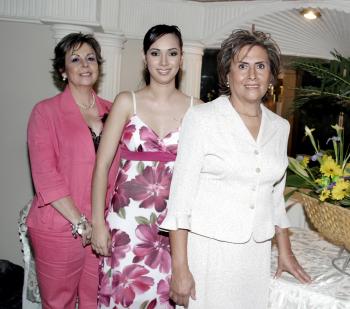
(120, 197)
(128, 283)
(151, 188)
(154, 248)
(120, 246)
(128, 132)
(137, 273)
(163, 291)
(154, 143)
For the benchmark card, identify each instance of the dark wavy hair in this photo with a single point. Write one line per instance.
(152, 35)
(233, 45)
(72, 40)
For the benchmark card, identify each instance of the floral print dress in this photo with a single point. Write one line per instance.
(137, 274)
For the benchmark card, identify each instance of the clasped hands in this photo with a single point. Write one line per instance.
(101, 239)
(86, 234)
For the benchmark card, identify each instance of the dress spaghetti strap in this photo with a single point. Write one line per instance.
(134, 101)
(191, 103)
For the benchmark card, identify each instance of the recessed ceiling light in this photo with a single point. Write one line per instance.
(310, 13)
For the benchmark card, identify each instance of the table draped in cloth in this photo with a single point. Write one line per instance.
(330, 288)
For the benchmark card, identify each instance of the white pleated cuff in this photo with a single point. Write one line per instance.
(282, 221)
(175, 222)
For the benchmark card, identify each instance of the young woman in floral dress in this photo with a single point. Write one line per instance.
(135, 269)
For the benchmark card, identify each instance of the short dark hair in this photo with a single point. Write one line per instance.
(231, 47)
(152, 35)
(72, 40)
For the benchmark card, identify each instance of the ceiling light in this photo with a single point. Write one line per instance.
(310, 13)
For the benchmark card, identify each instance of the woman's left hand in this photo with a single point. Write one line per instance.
(289, 263)
(86, 234)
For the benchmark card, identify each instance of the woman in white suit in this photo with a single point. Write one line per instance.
(226, 199)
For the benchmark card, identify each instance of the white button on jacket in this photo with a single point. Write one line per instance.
(216, 169)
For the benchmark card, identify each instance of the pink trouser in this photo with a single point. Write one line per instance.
(65, 270)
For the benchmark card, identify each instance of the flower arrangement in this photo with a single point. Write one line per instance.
(326, 173)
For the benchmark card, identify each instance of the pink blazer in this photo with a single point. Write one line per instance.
(62, 159)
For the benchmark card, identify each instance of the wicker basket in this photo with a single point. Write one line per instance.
(331, 221)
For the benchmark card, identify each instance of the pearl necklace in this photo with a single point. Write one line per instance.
(91, 105)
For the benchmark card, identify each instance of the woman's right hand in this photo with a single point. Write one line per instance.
(101, 239)
(182, 287)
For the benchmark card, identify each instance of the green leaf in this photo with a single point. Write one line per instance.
(121, 213)
(153, 218)
(142, 220)
(140, 167)
(297, 182)
(334, 76)
(345, 202)
(289, 194)
(144, 304)
(294, 165)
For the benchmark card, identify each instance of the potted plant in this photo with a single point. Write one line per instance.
(322, 178)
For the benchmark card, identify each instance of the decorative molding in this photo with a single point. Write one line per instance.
(208, 22)
(191, 68)
(61, 30)
(294, 34)
(148, 13)
(193, 47)
(82, 12)
(110, 13)
(111, 45)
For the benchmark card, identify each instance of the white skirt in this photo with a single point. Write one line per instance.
(229, 275)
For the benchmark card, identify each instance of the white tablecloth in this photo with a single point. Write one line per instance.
(330, 288)
(296, 214)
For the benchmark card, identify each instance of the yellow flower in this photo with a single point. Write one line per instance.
(318, 181)
(305, 161)
(329, 168)
(347, 170)
(325, 193)
(340, 190)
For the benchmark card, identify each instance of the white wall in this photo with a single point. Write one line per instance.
(24, 80)
(132, 66)
(26, 50)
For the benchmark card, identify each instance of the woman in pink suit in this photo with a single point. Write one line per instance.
(63, 135)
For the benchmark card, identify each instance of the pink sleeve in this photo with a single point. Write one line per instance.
(48, 182)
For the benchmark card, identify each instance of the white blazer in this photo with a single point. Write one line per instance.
(226, 185)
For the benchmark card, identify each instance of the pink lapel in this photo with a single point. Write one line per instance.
(73, 116)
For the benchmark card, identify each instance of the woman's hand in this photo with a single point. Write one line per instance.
(289, 263)
(286, 259)
(86, 234)
(101, 239)
(182, 287)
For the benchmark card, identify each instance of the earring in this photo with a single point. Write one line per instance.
(227, 83)
(270, 87)
(64, 77)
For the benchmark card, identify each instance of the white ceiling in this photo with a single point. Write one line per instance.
(299, 36)
(294, 34)
(204, 23)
